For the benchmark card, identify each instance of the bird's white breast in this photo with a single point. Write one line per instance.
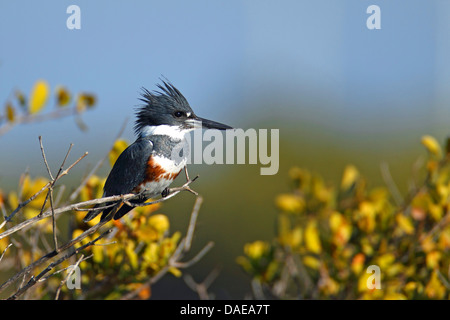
(170, 168)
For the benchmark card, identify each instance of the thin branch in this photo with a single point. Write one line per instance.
(34, 280)
(192, 222)
(194, 260)
(174, 260)
(50, 188)
(70, 207)
(172, 192)
(440, 225)
(4, 251)
(67, 268)
(52, 254)
(24, 203)
(72, 269)
(389, 181)
(55, 238)
(30, 118)
(202, 288)
(45, 159)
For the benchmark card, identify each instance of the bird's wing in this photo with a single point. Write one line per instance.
(127, 173)
(130, 168)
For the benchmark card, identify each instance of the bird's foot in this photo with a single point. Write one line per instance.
(165, 192)
(184, 187)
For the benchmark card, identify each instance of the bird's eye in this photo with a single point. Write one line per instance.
(179, 114)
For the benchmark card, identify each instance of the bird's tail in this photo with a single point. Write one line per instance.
(116, 211)
(92, 214)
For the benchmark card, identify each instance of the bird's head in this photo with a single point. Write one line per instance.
(168, 112)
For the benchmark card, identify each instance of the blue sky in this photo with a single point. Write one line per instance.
(288, 63)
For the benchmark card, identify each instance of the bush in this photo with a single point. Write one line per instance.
(328, 236)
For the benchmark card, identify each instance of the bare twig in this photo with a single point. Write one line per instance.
(192, 223)
(50, 188)
(4, 251)
(202, 288)
(440, 225)
(174, 260)
(34, 280)
(194, 260)
(70, 207)
(172, 192)
(45, 159)
(30, 118)
(52, 254)
(34, 196)
(64, 269)
(389, 181)
(72, 269)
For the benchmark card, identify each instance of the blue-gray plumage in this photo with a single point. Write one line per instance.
(149, 165)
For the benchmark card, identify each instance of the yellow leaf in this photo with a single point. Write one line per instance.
(311, 262)
(385, 260)
(312, 240)
(366, 247)
(436, 211)
(13, 200)
(358, 263)
(411, 286)
(159, 222)
(428, 244)
(62, 96)
(119, 146)
(405, 224)
(85, 100)
(10, 112)
(129, 249)
(366, 216)
(176, 272)
(21, 98)
(296, 237)
(444, 240)
(256, 249)
(151, 253)
(432, 145)
(97, 251)
(349, 177)
(39, 96)
(290, 203)
(362, 282)
(286, 235)
(434, 288)
(394, 296)
(394, 269)
(433, 259)
(76, 233)
(342, 230)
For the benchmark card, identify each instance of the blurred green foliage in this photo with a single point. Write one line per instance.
(328, 235)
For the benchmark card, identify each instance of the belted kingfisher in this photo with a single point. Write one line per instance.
(147, 167)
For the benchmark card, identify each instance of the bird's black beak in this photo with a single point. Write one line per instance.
(209, 124)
